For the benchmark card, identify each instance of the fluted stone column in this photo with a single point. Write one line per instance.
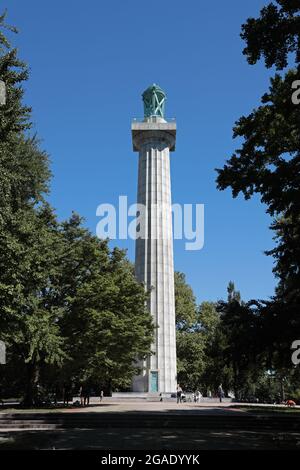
(154, 139)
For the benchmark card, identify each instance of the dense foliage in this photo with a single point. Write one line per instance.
(71, 310)
(268, 163)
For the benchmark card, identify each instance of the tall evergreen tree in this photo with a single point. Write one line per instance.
(68, 306)
(28, 239)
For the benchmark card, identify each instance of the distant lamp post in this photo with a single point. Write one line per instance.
(2, 93)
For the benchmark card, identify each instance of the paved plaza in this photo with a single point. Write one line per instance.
(151, 426)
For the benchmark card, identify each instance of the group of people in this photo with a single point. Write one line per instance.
(85, 393)
(196, 396)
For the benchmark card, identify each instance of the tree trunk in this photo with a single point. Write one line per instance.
(282, 390)
(31, 387)
(236, 387)
(109, 388)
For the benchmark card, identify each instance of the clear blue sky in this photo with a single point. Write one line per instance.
(90, 61)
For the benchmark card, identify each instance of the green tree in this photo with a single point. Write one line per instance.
(268, 163)
(68, 305)
(190, 359)
(232, 293)
(239, 338)
(190, 347)
(28, 239)
(185, 302)
(216, 371)
(274, 35)
(106, 324)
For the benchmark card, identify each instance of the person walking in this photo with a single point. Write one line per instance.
(198, 396)
(66, 394)
(81, 394)
(101, 395)
(220, 393)
(86, 395)
(179, 394)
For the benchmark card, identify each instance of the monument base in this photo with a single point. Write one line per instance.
(147, 396)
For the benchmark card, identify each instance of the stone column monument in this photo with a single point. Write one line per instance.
(154, 139)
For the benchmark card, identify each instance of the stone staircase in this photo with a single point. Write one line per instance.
(148, 420)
